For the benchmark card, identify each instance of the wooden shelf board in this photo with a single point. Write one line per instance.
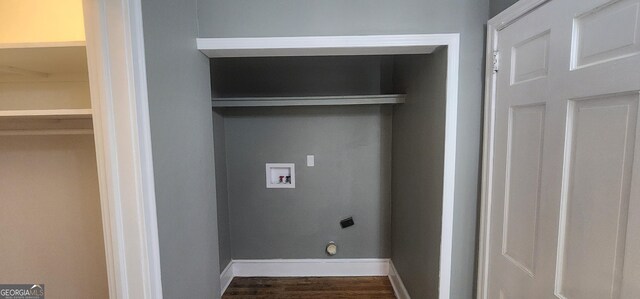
(44, 132)
(42, 60)
(308, 101)
(43, 45)
(46, 122)
(47, 114)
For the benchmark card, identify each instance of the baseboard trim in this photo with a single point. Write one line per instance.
(396, 283)
(310, 267)
(313, 268)
(226, 277)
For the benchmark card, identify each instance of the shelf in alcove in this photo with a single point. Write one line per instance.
(318, 45)
(309, 101)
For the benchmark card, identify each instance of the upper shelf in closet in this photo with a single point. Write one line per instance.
(40, 61)
(308, 101)
(46, 122)
(47, 114)
(45, 126)
(44, 88)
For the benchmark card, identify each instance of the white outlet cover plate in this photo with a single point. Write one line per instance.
(311, 160)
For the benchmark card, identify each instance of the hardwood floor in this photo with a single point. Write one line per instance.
(377, 287)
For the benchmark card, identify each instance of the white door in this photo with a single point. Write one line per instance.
(562, 205)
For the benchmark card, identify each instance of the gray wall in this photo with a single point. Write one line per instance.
(291, 76)
(498, 6)
(222, 197)
(352, 147)
(181, 134)
(225, 18)
(418, 165)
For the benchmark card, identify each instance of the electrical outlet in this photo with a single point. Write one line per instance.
(347, 222)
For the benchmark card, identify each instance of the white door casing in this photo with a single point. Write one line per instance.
(561, 186)
(117, 75)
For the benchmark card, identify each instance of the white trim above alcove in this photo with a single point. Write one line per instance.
(323, 45)
(371, 45)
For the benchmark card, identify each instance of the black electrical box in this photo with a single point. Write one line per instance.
(347, 222)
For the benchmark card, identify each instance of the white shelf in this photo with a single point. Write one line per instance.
(309, 101)
(43, 45)
(46, 122)
(47, 114)
(45, 132)
(42, 60)
(62, 62)
(320, 45)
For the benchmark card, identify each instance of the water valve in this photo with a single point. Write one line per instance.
(332, 248)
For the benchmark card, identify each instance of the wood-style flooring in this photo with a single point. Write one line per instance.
(377, 287)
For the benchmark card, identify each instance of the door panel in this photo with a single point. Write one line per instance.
(530, 59)
(565, 203)
(594, 208)
(594, 42)
(524, 165)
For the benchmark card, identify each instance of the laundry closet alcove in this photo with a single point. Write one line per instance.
(378, 115)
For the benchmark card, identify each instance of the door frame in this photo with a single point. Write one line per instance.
(494, 26)
(117, 75)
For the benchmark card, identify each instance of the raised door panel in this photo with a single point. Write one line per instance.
(524, 166)
(530, 59)
(596, 196)
(606, 33)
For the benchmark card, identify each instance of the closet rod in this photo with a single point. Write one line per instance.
(309, 101)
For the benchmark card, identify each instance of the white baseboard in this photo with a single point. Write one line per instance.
(310, 267)
(226, 277)
(396, 283)
(313, 268)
